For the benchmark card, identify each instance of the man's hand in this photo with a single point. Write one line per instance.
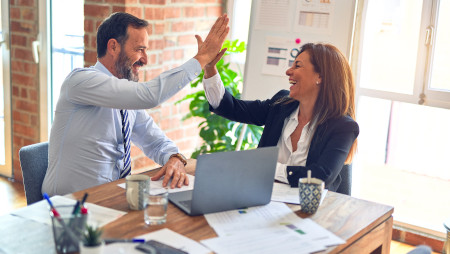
(209, 49)
(174, 168)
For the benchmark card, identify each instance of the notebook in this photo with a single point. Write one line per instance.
(229, 180)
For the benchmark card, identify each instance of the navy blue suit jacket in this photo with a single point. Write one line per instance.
(330, 143)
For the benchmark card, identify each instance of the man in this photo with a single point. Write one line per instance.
(101, 109)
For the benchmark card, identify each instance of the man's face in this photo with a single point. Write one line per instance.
(132, 54)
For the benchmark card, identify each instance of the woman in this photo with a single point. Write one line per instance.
(312, 124)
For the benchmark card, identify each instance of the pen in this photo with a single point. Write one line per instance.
(84, 198)
(76, 208)
(134, 240)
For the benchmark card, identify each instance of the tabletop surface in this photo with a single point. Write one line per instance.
(347, 217)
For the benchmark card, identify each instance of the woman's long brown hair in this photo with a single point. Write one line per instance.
(336, 97)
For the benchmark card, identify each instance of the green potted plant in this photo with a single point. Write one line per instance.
(218, 133)
(92, 242)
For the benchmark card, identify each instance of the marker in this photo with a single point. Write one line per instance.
(84, 198)
(76, 208)
(134, 240)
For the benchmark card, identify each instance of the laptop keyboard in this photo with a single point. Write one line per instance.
(186, 204)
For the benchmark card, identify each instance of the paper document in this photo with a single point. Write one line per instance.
(271, 215)
(261, 241)
(165, 236)
(246, 229)
(285, 193)
(156, 186)
(40, 212)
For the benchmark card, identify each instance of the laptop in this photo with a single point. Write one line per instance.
(229, 180)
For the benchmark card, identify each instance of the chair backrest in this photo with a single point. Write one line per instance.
(346, 180)
(34, 164)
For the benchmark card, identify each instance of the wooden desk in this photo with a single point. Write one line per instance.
(365, 226)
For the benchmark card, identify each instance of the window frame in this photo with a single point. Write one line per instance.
(6, 169)
(421, 92)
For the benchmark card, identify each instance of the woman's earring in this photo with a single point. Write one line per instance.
(317, 82)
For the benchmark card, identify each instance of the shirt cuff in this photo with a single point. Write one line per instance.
(214, 90)
(192, 67)
(280, 173)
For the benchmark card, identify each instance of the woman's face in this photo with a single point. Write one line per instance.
(305, 82)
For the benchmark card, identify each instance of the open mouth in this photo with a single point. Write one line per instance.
(292, 82)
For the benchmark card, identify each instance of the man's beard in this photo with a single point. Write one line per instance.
(124, 68)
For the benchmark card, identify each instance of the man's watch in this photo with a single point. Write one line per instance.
(180, 157)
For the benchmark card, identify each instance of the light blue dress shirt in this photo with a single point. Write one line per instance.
(86, 142)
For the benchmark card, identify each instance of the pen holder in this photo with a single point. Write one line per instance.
(67, 229)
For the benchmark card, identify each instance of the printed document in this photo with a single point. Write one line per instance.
(40, 211)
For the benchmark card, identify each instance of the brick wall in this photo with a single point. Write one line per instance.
(24, 78)
(173, 25)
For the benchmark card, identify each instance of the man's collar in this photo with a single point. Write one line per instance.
(99, 66)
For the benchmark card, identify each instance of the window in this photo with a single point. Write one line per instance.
(61, 47)
(403, 109)
(5, 93)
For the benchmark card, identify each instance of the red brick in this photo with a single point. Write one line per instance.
(98, 11)
(213, 11)
(27, 14)
(160, 2)
(29, 3)
(26, 106)
(205, 1)
(22, 27)
(152, 14)
(21, 117)
(172, 12)
(27, 131)
(142, 162)
(191, 131)
(155, 44)
(15, 91)
(14, 13)
(175, 134)
(23, 80)
(34, 120)
(166, 110)
(159, 28)
(184, 40)
(88, 26)
(194, 12)
(178, 54)
(23, 54)
(90, 57)
(33, 95)
(167, 55)
(181, 1)
(182, 26)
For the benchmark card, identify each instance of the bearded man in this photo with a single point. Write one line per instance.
(101, 109)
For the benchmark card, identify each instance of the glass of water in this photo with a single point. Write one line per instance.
(155, 211)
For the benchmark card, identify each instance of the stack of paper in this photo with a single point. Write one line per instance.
(267, 229)
(40, 212)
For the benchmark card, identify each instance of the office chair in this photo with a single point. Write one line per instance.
(421, 249)
(34, 163)
(346, 182)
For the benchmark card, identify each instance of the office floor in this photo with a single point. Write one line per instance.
(12, 197)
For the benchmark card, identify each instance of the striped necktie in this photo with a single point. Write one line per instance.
(126, 143)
